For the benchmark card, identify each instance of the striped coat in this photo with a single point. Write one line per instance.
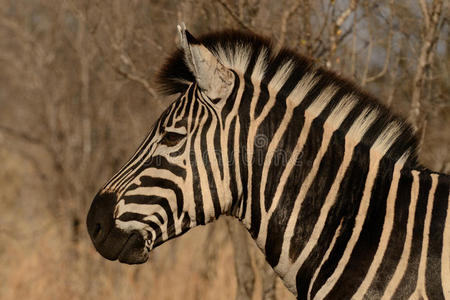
(324, 177)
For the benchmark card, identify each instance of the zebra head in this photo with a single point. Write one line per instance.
(175, 179)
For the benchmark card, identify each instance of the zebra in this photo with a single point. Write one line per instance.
(324, 177)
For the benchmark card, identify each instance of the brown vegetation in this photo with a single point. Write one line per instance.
(77, 96)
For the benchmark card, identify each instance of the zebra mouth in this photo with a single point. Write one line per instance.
(134, 250)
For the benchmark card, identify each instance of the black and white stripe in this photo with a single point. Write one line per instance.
(324, 177)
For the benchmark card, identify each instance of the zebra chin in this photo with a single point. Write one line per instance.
(134, 251)
(111, 242)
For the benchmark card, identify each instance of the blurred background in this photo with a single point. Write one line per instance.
(77, 95)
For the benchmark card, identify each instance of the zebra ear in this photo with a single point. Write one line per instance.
(215, 80)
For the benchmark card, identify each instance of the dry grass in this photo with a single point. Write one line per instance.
(40, 261)
(46, 265)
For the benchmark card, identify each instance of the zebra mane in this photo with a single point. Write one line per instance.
(236, 49)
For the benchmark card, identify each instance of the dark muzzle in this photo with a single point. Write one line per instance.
(112, 242)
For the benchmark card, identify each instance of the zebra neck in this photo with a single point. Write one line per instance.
(357, 226)
(317, 175)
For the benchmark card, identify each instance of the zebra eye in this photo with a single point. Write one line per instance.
(172, 138)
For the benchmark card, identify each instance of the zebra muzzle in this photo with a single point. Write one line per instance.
(112, 242)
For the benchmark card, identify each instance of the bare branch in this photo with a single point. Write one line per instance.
(336, 28)
(19, 30)
(353, 51)
(287, 14)
(269, 282)
(346, 13)
(36, 164)
(388, 50)
(234, 15)
(21, 135)
(367, 64)
(426, 16)
(369, 48)
(422, 130)
(327, 49)
(242, 262)
(431, 34)
(393, 81)
(137, 79)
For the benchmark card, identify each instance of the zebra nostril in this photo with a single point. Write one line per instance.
(97, 231)
(100, 219)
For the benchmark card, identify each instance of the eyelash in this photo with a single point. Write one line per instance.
(171, 138)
